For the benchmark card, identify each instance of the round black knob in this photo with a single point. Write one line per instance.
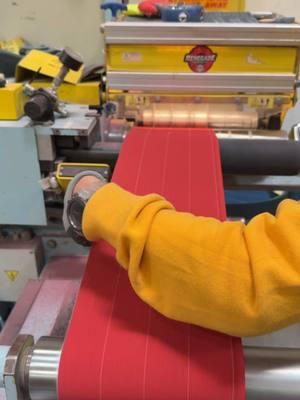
(38, 108)
(70, 59)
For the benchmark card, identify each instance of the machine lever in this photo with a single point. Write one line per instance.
(114, 8)
(44, 102)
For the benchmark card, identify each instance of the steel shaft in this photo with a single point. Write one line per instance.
(271, 373)
(43, 369)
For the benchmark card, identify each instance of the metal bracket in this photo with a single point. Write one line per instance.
(15, 368)
(290, 183)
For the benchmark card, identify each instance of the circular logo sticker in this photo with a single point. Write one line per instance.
(200, 59)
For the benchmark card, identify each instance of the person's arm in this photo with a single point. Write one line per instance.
(237, 279)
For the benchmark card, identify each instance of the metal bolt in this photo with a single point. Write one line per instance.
(53, 182)
(15, 236)
(52, 244)
(26, 235)
(182, 17)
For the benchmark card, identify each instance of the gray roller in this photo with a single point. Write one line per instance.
(260, 157)
(272, 374)
(43, 369)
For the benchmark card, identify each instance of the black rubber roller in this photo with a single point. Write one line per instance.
(260, 157)
(70, 59)
(239, 156)
(39, 107)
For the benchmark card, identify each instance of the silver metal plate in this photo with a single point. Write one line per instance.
(79, 122)
(195, 33)
(76, 124)
(262, 182)
(192, 83)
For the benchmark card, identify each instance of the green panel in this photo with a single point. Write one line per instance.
(21, 197)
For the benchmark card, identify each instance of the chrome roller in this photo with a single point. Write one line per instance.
(272, 373)
(31, 371)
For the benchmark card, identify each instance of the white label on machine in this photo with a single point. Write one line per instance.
(132, 57)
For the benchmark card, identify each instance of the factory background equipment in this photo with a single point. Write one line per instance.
(239, 78)
(159, 75)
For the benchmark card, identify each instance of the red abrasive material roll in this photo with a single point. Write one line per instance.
(117, 347)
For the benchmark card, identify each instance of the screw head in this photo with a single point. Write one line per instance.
(182, 17)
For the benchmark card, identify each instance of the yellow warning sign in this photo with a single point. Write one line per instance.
(12, 275)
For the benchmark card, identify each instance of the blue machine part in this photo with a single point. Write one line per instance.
(182, 13)
(21, 197)
(114, 7)
(108, 13)
(247, 204)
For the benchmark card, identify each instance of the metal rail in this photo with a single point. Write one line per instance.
(192, 83)
(195, 33)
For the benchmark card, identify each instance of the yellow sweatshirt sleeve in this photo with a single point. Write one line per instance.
(239, 279)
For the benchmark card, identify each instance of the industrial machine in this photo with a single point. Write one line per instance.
(236, 73)
(238, 76)
(229, 76)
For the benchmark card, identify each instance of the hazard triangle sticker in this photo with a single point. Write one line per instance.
(12, 275)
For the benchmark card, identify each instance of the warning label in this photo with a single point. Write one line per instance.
(12, 275)
(216, 4)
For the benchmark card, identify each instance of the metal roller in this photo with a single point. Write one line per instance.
(43, 369)
(199, 115)
(260, 157)
(249, 156)
(31, 371)
(272, 373)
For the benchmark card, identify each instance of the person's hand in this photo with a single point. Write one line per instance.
(78, 193)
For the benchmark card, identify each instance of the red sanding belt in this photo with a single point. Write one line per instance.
(117, 347)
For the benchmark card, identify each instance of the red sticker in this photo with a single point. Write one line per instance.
(200, 59)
